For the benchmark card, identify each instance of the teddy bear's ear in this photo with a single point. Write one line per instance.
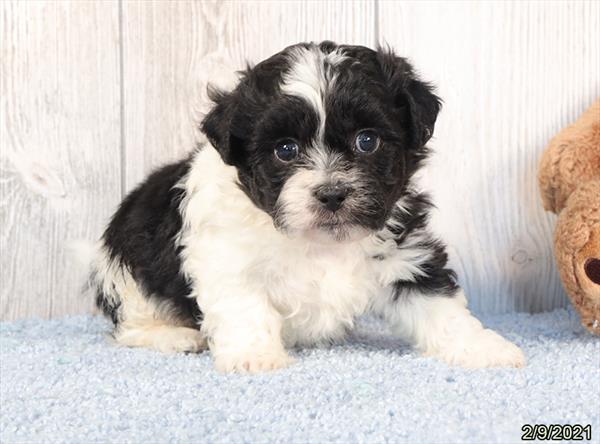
(572, 158)
(592, 270)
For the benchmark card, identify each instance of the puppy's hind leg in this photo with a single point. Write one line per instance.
(162, 337)
(142, 321)
(145, 323)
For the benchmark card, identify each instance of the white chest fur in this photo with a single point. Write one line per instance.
(231, 251)
(319, 290)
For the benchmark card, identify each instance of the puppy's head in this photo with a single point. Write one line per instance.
(324, 137)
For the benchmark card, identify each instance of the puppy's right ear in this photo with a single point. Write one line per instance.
(217, 125)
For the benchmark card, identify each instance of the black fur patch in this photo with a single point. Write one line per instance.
(437, 281)
(410, 221)
(108, 307)
(141, 235)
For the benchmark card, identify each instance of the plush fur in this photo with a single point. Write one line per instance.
(569, 179)
(250, 252)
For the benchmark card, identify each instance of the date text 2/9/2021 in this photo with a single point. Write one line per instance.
(556, 432)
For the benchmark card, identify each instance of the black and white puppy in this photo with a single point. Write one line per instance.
(298, 216)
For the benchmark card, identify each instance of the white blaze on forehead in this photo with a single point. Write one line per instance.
(321, 158)
(310, 77)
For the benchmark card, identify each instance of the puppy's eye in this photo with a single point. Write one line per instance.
(367, 141)
(286, 150)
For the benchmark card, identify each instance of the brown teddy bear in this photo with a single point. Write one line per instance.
(570, 183)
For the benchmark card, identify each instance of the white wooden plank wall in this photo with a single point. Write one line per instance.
(511, 74)
(96, 94)
(60, 147)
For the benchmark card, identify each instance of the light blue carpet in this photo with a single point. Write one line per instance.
(63, 381)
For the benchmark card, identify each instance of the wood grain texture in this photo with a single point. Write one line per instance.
(512, 74)
(60, 148)
(173, 49)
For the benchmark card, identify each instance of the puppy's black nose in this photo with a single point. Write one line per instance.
(332, 197)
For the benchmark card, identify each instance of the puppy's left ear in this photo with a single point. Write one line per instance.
(409, 91)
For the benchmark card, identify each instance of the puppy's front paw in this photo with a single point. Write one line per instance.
(484, 348)
(253, 362)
